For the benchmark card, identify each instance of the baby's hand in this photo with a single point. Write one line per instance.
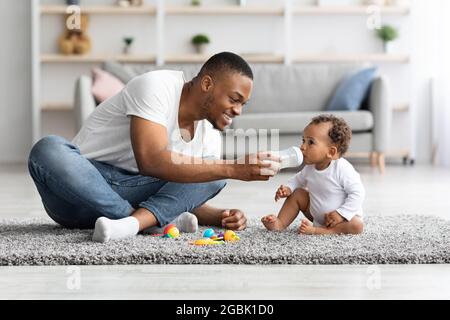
(282, 192)
(332, 219)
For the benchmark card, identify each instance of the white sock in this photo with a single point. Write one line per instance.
(185, 222)
(107, 229)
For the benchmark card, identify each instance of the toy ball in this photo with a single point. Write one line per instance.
(230, 236)
(208, 233)
(171, 231)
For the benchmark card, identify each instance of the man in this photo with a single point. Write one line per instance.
(143, 157)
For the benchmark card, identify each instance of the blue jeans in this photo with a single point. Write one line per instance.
(76, 191)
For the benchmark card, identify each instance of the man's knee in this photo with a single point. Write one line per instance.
(47, 153)
(217, 186)
(46, 147)
(209, 189)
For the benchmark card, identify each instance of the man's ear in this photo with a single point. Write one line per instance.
(332, 152)
(206, 83)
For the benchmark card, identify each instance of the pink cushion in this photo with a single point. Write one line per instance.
(105, 85)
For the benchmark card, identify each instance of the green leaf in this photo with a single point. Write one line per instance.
(387, 33)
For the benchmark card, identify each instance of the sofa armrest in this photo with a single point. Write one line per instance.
(84, 102)
(381, 108)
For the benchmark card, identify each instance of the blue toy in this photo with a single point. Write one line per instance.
(208, 233)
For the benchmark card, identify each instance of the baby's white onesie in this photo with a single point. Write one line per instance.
(337, 187)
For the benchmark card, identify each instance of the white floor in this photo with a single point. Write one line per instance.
(412, 190)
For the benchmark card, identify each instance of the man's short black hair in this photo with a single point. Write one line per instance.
(226, 62)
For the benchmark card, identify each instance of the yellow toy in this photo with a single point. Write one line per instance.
(210, 238)
(230, 236)
(206, 242)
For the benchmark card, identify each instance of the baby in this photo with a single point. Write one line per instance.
(328, 190)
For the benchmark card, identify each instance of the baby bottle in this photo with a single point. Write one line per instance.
(290, 157)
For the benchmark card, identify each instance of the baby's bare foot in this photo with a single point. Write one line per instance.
(271, 222)
(306, 227)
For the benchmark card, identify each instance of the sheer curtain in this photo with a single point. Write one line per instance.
(441, 84)
(431, 80)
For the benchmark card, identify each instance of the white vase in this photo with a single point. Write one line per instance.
(379, 3)
(401, 3)
(201, 48)
(387, 47)
(333, 3)
(126, 49)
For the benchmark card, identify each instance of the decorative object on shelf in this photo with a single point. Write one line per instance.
(376, 2)
(200, 41)
(76, 41)
(130, 3)
(242, 3)
(333, 3)
(73, 2)
(128, 41)
(398, 3)
(387, 34)
(123, 3)
(195, 2)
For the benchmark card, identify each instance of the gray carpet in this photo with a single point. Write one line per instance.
(392, 239)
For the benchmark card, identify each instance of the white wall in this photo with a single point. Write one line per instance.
(340, 34)
(15, 82)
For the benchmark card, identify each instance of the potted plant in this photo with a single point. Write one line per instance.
(387, 34)
(200, 41)
(376, 2)
(195, 2)
(128, 41)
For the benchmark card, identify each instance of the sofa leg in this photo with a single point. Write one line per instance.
(373, 158)
(381, 162)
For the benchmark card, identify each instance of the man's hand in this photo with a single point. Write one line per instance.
(234, 219)
(282, 192)
(259, 166)
(332, 219)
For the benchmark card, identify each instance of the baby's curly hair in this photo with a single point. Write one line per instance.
(340, 133)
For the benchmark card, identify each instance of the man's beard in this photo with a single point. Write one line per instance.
(206, 107)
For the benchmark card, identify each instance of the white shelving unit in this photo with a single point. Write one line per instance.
(160, 11)
(375, 58)
(96, 58)
(347, 10)
(105, 10)
(225, 10)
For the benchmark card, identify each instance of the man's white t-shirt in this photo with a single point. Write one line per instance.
(337, 187)
(154, 96)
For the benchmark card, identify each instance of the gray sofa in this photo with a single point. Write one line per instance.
(284, 98)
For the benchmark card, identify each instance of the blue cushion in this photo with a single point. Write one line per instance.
(352, 90)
